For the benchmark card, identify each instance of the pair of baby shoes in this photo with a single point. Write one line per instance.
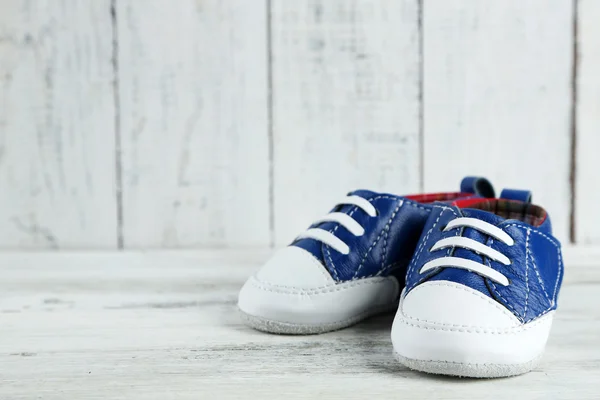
(473, 279)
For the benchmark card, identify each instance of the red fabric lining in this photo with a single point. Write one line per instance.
(465, 203)
(431, 197)
(509, 209)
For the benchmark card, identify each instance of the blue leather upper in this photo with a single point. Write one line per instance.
(390, 237)
(387, 245)
(535, 274)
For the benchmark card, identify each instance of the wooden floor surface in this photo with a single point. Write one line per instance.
(165, 326)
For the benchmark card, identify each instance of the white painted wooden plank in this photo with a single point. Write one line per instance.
(193, 85)
(123, 326)
(345, 104)
(588, 124)
(57, 116)
(497, 91)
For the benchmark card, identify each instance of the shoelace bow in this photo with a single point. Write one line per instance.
(459, 241)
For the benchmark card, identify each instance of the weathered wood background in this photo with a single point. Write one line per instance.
(228, 123)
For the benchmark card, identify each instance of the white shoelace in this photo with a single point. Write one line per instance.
(459, 241)
(344, 220)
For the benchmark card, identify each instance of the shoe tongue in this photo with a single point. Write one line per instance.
(482, 215)
(363, 193)
(313, 246)
(474, 233)
(463, 276)
(345, 208)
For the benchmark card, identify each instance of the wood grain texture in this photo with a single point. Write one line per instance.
(194, 126)
(588, 124)
(345, 104)
(164, 325)
(497, 91)
(57, 116)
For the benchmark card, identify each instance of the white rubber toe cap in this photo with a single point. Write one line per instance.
(294, 267)
(445, 322)
(293, 287)
(450, 304)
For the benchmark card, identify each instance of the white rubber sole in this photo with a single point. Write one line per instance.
(468, 370)
(287, 328)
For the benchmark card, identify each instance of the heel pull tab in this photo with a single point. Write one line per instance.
(516, 194)
(477, 185)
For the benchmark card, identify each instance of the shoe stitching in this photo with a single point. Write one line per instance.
(536, 232)
(385, 236)
(400, 203)
(535, 269)
(413, 263)
(372, 199)
(350, 214)
(445, 327)
(333, 267)
(422, 246)
(372, 311)
(522, 319)
(551, 301)
(526, 272)
(506, 302)
(560, 267)
(546, 311)
(508, 267)
(283, 289)
(417, 205)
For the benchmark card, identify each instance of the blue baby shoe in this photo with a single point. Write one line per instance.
(481, 289)
(349, 265)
